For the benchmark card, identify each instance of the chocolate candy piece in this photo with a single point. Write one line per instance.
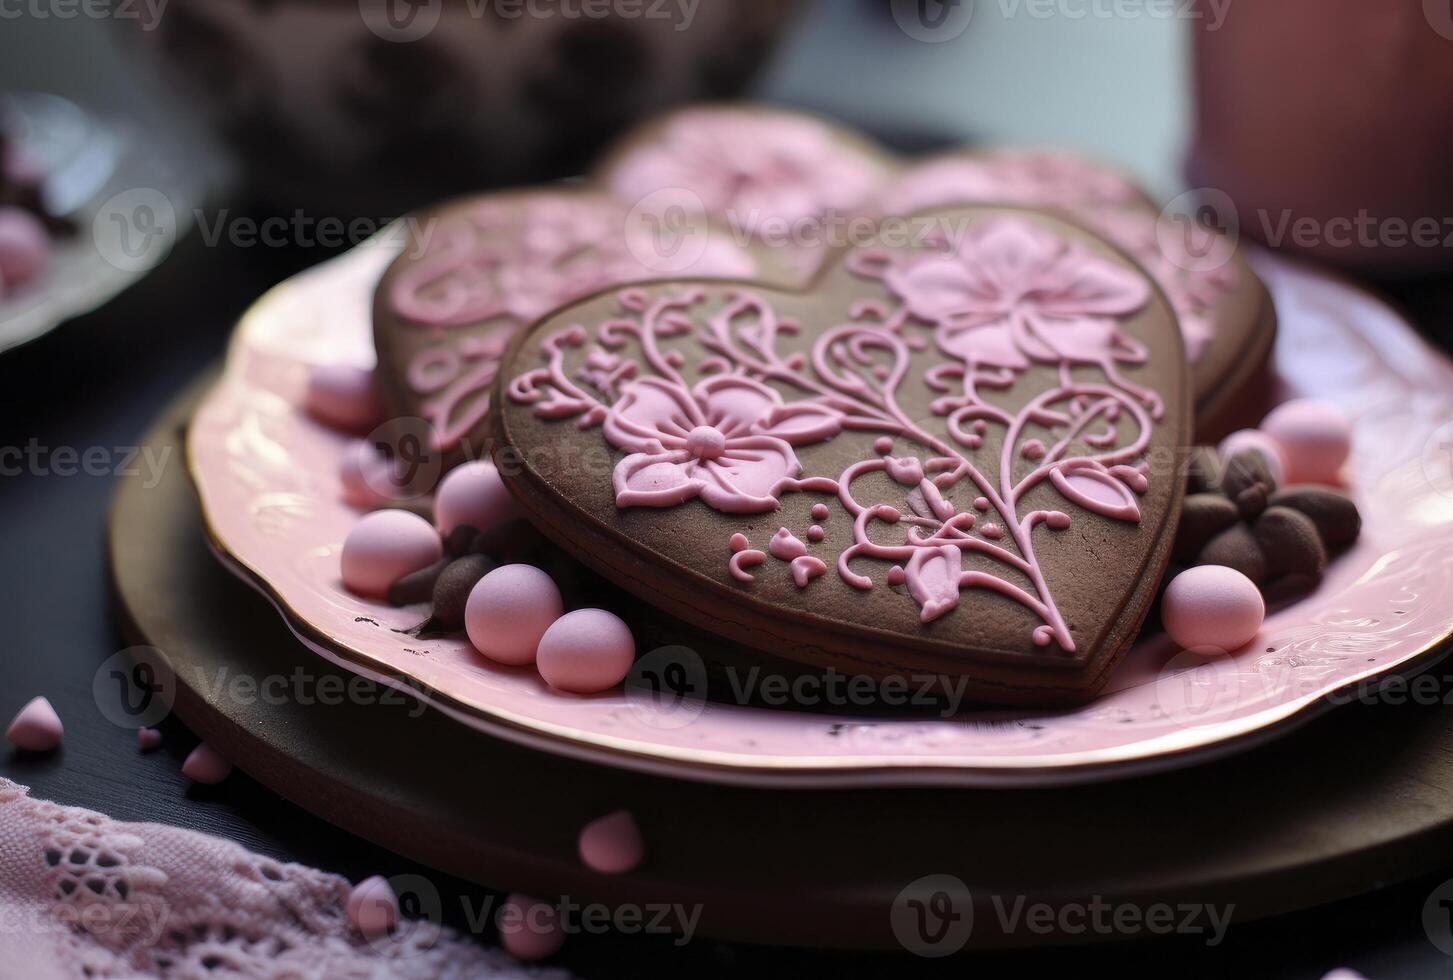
(416, 586)
(1331, 510)
(452, 590)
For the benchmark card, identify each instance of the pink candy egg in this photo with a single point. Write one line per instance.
(1315, 439)
(36, 727)
(206, 765)
(24, 248)
(1262, 443)
(373, 908)
(508, 612)
(344, 397)
(1212, 606)
(586, 651)
(473, 494)
(611, 844)
(529, 929)
(385, 546)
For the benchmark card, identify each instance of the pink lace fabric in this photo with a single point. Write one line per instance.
(82, 895)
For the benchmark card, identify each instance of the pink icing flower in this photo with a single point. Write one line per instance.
(750, 167)
(728, 440)
(1013, 293)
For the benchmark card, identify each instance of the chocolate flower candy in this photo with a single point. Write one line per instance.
(1280, 539)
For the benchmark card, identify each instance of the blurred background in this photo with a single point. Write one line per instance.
(201, 114)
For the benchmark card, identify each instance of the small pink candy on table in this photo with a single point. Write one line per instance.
(373, 908)
(148, 739)
(586, 651)
(24, 248)
(509, 610)
(474, 495)
(611, 844)
(344, 398)
(36, 728)
(1315, 439)
(529, 929)
(1212, 606)
(205, 765)
(385, 546)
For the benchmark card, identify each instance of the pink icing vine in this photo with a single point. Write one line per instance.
(1005, 297)
(501, 265)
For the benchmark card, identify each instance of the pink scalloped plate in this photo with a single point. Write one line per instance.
(266, 476)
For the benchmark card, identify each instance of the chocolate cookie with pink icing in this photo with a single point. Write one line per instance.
(473, 272)
(803, 185)
(952, 456)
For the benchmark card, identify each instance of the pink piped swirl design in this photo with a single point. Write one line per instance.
(748, 167)
(1008, 287)
(505, 264)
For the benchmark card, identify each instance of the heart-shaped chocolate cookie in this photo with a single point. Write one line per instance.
(800, 183)
(473, 272)
(953, 454)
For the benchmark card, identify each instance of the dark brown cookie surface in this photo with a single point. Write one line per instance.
(951, 455)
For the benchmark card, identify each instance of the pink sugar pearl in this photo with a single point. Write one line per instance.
(24, 248)
(529, 929)
(206, 765)
(611, 844)
(586, 651)
(473, 494)
(1212, 606)
(344, 397)
(1315, 439)
(148, 739)
(1260, 442)
(385, 546)
(508, 612)
(36, 728)
(373, 908)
